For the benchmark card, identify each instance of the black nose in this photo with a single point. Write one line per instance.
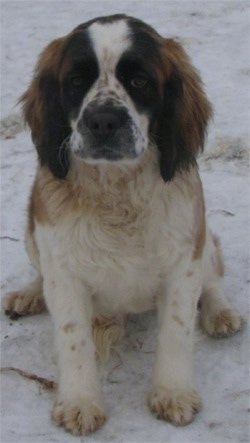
(104, 122)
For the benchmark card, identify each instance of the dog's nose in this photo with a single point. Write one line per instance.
(103, 123)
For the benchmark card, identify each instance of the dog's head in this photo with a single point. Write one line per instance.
(109, 89)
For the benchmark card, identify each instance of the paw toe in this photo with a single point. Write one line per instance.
(224, 324)
(80, 418)
(178, 407)
(16, 304)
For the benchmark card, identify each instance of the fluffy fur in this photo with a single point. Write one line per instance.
(116, 216)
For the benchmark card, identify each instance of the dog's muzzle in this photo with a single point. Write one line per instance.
(105, 132)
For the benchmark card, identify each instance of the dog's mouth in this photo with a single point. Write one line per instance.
(106, 153)
(92, 153)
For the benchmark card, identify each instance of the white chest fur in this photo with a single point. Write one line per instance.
(124, 238)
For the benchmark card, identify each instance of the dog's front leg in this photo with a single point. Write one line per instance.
(173, 397)
(79, 403)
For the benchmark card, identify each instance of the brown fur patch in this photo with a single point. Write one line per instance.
(69, 327)
(33, 106)
(199, 221)
(178, 320)
(196, 109)
(37, 207)
(190, 273)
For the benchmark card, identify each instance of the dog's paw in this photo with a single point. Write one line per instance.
(80, 417)
(16, 304)
(177, 406)
(223, 323)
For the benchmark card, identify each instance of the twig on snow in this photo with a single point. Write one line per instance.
(7, 237)
(44, 382)
(119, 365)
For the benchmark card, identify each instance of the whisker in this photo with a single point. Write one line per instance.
(62, 155)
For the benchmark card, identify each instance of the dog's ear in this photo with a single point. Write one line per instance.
(181, 126)
(44, 114)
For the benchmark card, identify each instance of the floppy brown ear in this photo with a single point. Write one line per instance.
(186, 110)
(44, 114)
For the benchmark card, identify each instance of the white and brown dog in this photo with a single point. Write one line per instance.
(116, 216)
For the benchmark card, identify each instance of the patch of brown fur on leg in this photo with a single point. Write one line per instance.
(106, 334)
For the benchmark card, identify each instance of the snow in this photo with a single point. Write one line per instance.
(216, 35)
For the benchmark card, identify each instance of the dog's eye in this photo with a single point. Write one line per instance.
(76, 81)
(139, 81)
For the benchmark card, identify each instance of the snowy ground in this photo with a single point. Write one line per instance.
(216, 35)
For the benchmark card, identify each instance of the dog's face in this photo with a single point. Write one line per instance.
(109, 89)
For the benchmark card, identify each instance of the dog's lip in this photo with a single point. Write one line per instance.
(106, 153)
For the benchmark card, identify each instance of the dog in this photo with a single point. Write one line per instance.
(116, 219)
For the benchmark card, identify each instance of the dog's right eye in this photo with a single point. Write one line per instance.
(139, 81)
(76, 81)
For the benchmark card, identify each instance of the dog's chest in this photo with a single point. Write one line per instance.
(116, 250)
(121, 248)
(122, 243)
(112, 235)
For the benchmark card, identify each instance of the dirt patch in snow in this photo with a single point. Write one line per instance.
(227, 149)
(11, 125)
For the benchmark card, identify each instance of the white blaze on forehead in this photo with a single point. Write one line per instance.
(110, 41)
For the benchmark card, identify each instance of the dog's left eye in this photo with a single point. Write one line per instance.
(139, 81)
(76, 81)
